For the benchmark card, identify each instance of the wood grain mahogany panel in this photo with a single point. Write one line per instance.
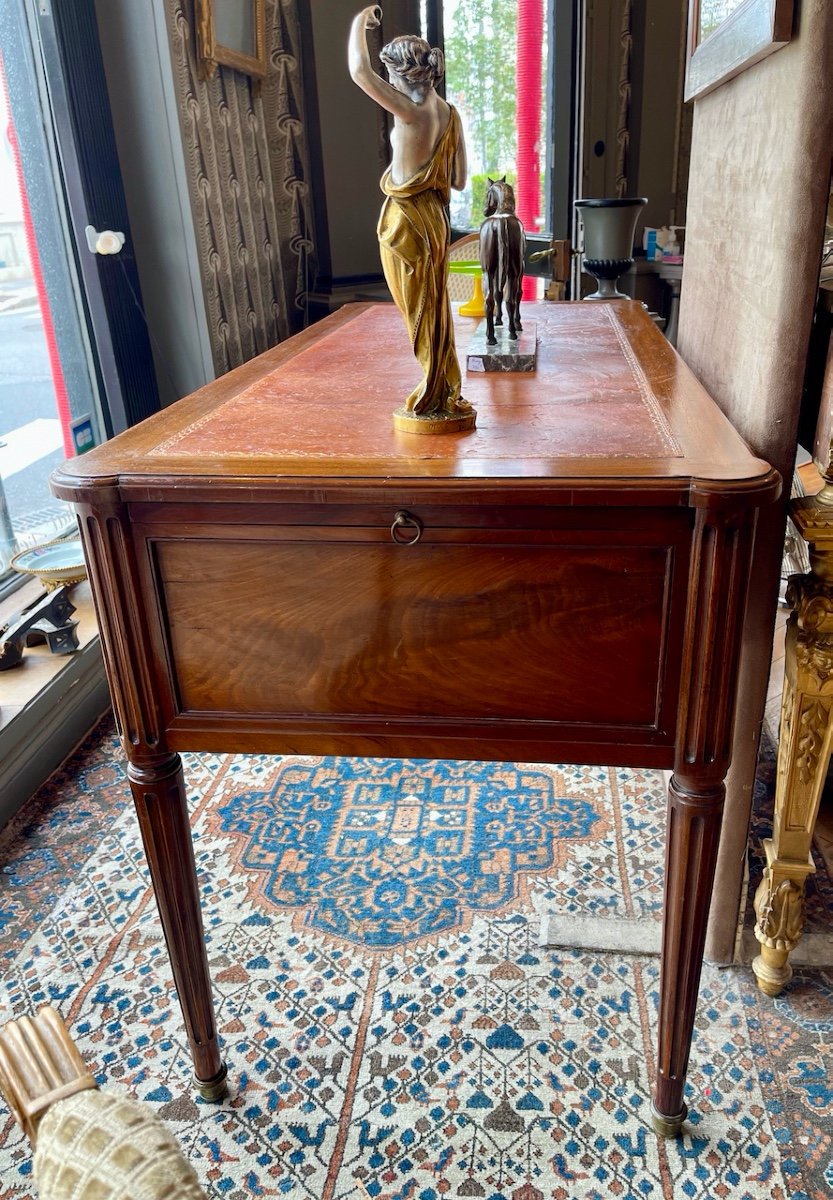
(440, 630)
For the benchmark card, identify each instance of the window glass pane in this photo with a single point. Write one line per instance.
(497, 54)
(48, 402)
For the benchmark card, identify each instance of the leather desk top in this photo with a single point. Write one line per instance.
(610, 400)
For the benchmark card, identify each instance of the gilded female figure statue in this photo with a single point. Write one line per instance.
(429, 158)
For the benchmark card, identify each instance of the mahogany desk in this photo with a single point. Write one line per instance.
(567, 584)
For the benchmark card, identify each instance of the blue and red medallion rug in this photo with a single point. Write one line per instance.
(392, 1024)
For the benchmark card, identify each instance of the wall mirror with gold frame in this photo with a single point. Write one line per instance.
(727, 36)
(231, 32)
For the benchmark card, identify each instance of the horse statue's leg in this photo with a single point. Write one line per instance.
(489, 305)
(488, 265)
(491, 340)
(518, 243)
(512, 306)
(512, 298)
(517, 288)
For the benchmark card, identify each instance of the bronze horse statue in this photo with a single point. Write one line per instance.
(502, 244)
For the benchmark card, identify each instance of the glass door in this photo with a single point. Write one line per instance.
(512, 72)
(48, 398)
(75, 361)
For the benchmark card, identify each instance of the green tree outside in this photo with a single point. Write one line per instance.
(480, 78)
(481, 83)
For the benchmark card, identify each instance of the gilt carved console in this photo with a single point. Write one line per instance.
(804, 747)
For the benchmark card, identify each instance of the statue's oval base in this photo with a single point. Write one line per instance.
(410, 422)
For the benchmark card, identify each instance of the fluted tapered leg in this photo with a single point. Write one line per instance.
(691, 853)
(159, 794)
(717, 599)
(155, 773)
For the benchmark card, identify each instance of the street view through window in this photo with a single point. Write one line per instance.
(45, 379)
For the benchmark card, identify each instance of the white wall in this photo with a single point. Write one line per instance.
(137, 62)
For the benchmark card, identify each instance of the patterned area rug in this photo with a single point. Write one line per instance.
(392, 1025)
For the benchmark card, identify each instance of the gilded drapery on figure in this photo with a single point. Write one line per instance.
(414, 236)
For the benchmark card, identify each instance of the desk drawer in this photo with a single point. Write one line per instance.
(473, 626)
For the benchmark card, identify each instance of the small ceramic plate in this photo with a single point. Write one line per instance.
(54, 563)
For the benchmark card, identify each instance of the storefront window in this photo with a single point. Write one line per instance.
(48, 403)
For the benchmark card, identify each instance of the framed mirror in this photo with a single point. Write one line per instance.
(231, 32)
(727, 36)
(711, 14)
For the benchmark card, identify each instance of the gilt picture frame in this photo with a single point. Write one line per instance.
(231, 33)
(719, 49)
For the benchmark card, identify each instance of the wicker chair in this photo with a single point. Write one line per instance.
(462, 289)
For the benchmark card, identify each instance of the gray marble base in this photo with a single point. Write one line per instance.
(507, 355)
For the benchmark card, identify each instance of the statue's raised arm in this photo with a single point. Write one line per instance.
(361, 68)
(429, 158)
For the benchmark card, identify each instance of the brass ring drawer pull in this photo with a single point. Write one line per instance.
(406, 529)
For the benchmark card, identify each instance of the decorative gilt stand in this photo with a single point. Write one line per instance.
(804, 745)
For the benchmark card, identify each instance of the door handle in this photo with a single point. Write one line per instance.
(108, 241)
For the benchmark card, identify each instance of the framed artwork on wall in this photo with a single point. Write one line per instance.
(727, 36)
(231, 32)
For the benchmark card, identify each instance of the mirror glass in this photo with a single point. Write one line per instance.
(234, 26)
(712, 13)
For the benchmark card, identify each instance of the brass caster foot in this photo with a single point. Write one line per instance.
(215, 1089)
(771, 980)
(667, 1126)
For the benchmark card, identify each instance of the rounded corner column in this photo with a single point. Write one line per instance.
(717, 587)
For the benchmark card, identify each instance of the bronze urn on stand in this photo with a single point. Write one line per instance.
(608, 241)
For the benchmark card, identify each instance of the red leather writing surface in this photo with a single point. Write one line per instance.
(588, 398)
